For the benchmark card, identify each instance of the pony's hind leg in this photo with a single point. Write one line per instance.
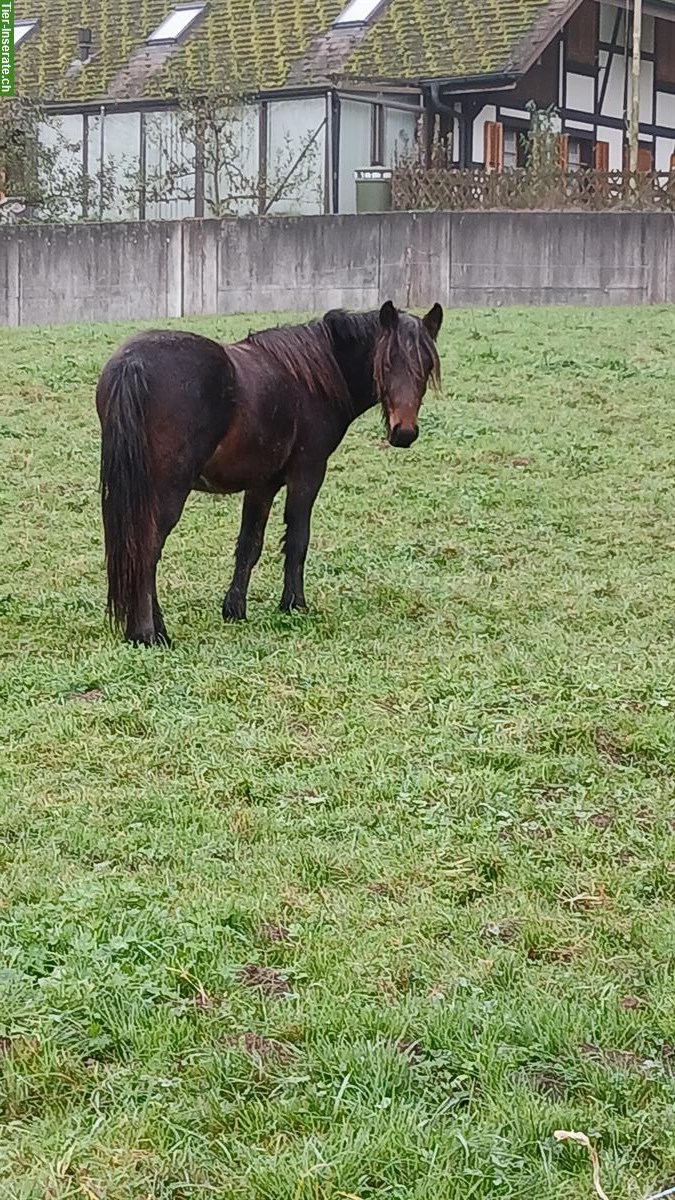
(147, 627)
(161, 636)
(254, 517)
(140, 630)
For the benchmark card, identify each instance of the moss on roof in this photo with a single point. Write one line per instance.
(238, 45)
(251, 45)
(444, 38)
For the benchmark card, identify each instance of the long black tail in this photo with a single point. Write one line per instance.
(127, 499)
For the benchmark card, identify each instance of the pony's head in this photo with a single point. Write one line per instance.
(405, 361)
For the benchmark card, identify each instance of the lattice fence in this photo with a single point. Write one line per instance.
(415, 188)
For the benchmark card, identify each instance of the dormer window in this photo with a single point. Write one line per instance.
(22, 30)
(177, 23)
(358, 12)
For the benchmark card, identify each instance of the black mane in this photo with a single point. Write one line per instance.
(307, 353)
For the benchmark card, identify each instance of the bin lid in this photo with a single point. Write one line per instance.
(373, 175)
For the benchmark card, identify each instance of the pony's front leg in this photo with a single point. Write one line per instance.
(254, 517)
(301, 492)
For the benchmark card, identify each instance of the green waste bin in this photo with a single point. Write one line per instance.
(373, 190)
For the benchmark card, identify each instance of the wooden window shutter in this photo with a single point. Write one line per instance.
(563, 151)
(601, 156)
(494, 146)
(645, 159)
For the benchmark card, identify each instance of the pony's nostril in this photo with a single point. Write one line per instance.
(402, 438)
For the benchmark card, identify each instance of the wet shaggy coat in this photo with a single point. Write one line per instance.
(182, 413)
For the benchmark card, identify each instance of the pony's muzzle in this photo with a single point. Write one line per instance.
(403, 436)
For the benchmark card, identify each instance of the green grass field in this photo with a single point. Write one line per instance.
(366, 903)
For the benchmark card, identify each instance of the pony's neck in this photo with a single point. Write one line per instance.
(353, 345)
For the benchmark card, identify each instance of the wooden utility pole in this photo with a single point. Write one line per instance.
(634, 127)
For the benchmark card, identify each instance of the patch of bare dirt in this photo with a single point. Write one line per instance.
(601, 820)
(266, 980)
(260, 1048)
(558, 954)
(272, 932)
(609, 747)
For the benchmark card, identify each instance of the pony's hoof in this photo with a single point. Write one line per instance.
(292, 606)
(234, 609)
(152, 641)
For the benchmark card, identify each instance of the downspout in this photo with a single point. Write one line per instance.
(470, 109)
(434, 88)
(440, 106)
(336, 109)
(328, 156)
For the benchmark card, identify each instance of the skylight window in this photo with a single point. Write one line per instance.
(22, 29)
(358, 12)
(175, 25)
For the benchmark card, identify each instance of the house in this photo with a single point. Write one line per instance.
(573, 57)
(202, 107)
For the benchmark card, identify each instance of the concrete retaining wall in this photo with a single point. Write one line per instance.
(155, 270)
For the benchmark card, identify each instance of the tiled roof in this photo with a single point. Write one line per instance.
(445, 38)
(238, 45)
(243, 46)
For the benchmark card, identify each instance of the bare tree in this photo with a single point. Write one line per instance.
(43, 170)
(209, 149)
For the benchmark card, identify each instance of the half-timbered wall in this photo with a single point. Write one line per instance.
(585, 75)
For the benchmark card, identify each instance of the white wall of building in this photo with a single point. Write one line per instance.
(577, 96)
(580, 92)
(614, 80)
(615, 85)
(489, 113)
(614, 139)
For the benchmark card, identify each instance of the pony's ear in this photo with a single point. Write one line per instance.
(388, 315)
(433, 321)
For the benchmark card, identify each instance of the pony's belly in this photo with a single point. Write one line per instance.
(242, 461)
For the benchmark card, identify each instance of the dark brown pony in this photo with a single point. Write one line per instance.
(181, 413)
